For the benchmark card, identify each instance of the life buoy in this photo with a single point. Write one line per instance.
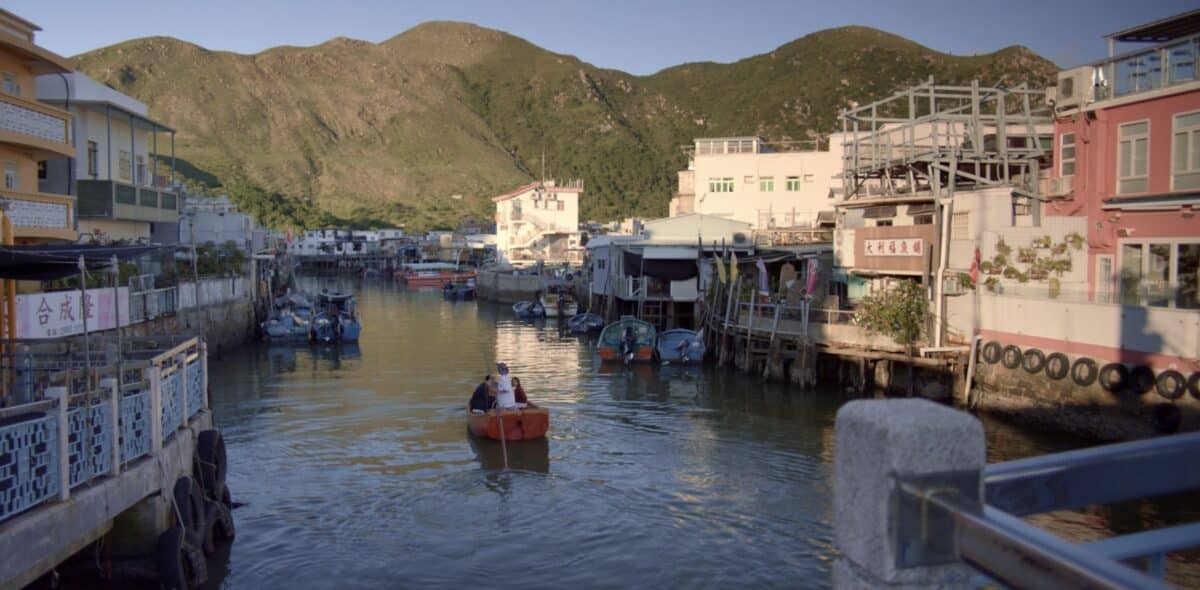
(1114, 377)
(1167, 418)
(1011, 357)
(1033, 360)
(1141, 379)
(1057, 366)
(991, 352)
(1170, 384)
(1194, 385)
(1083, 371)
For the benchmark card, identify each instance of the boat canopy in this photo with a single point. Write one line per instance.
(431, 266)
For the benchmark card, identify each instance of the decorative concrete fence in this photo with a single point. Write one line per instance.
(916, 506)
(67, 439)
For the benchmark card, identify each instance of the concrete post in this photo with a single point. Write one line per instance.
(204, 373)
(114, 432)
(63, 397)
(181, 370)
(156, 431)
(878, 441)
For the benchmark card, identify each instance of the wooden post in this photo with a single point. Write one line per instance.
(750, 328)
(204, 373)
(771, 342)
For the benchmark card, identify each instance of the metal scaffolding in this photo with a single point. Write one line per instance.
(932, 136)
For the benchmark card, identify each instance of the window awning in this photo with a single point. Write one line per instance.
(47, 262)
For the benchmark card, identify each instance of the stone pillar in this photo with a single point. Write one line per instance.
(878, 441)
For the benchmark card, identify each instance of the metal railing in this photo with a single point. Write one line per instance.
(70, 434)
(1168, 64)
(942, 519)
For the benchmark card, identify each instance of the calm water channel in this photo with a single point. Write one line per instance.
(356, 469)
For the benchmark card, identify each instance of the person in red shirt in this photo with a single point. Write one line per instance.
(519, 392)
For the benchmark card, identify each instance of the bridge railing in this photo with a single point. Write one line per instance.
(91, 423)
(915, 504)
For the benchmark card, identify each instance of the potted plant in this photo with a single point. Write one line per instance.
(1075, 240)
(1055, 288)
(1040, 269)
(1026, 255)
(1002, 248)
(1059, 249)
(1000, 261)
(986, 267)
(991, 283)
(1042, 242)
(1011, 272)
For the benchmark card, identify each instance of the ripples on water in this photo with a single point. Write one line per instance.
(357, 471)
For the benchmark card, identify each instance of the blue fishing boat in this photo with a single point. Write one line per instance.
(529, 310)
(336, 320)
(459, 291)
(680, 346)
(584, 323)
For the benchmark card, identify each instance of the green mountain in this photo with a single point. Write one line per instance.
(423, 128)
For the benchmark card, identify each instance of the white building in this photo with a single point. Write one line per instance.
(124, 164)
(766, 184)
(539, 222)
(216, 220)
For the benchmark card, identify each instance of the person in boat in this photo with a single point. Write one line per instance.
(628, 343)
(506, 398)
(484, 396)
(519, 393)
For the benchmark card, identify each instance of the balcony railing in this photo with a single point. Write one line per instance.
(40, 215)
(108, 199)
(1168, 64)
(36, 121)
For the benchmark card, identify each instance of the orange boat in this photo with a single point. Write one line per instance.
(526, 423)
(614, 347)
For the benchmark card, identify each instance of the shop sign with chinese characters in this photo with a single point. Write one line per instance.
(61, 313)
(894, 247)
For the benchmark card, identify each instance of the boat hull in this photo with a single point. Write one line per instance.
(644, 354)
(438, 280)
(528, 423)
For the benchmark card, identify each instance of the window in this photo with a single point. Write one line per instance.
(1104, 278)
(766, 184)
(1185, 152)
(141, 170)
(960, 225)
(720, 185)
(92, 159)
(883, 223)
(601, 263)
(1163, 273)
(793, 184)
(41, 170)
(1133, 156)
(1066, 155)
(11, 176)
(923, 219)
(11, 85)
(123, 165)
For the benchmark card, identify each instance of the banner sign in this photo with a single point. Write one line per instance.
(894, 247)
(58, 314)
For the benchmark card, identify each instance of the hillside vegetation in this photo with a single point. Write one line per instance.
(423, 128)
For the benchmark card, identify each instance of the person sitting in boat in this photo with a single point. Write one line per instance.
(519, 393)
(484, 396)
(628, 343)
(506, 398)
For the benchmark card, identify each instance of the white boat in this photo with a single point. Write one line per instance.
(558, 302)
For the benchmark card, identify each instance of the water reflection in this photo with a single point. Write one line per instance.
(356, 466)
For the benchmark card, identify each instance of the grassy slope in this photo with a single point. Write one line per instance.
(388, 132)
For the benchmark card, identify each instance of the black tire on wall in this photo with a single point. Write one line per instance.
(211, 465)
(991, 352)
(1083, 371)
(1057, 366)
(1011, 357)
(1194, 385)
(1170, 384)
(180, 563)
(1114, 377)
(1141, 379)
(189, 505)
(1033, 361)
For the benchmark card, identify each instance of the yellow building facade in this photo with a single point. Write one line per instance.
(30, 132)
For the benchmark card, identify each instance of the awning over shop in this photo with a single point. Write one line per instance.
(47, 262)
(667, 268)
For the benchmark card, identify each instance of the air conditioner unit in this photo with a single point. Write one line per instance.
(1058, 187)
(740, 238)
(1075, 88)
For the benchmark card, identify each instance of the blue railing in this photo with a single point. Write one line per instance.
(32, 444)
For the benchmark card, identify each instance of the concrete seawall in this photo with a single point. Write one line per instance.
(504, 287)
(223, 325)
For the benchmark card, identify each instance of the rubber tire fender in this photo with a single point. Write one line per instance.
(190, 505)
(168, 560)
(225, 529)
(1039, 361)
(1170, 384)
(1088, 366)
(211, 462)
(1011, 357)
(1057, 366)
(991, 352)
(1114, 377)
(1194, 385)
(1141, 379)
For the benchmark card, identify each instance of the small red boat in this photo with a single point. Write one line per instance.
(433, 274)
(527, 423)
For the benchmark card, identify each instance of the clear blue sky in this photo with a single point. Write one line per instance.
(640, 37)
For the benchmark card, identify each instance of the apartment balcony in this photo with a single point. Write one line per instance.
(40, 216)
(1169, 64)
(109, 199)
(32, 125)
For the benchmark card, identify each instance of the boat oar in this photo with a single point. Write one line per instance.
(503, 439)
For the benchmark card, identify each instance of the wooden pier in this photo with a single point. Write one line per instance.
(332, 264)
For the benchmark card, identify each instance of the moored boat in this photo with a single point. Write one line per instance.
(336, 321)
(433, 274)
(559, 302)
(628, 339)
(530, 422)
(681, 346)
(459, 291)
(584, 323)
(528, 309)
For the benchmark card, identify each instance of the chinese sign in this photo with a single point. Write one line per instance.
(53, 315)
(894, 247)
